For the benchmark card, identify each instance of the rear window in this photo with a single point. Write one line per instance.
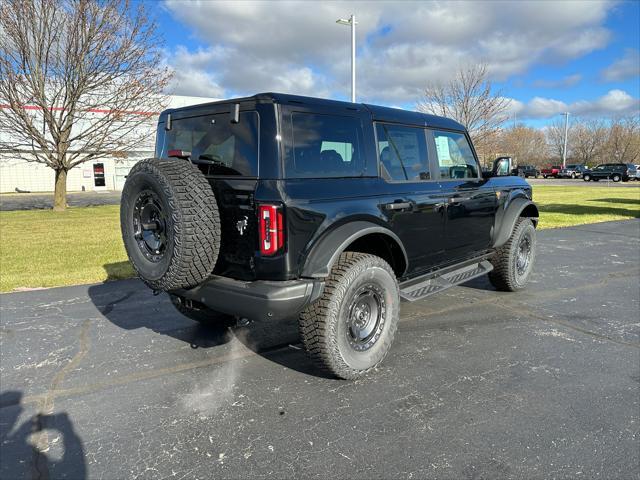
(402, 152)
(324, 146)
(225, 148)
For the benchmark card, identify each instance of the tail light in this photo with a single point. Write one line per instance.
(271, 229)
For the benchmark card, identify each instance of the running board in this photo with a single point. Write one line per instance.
(421, 287)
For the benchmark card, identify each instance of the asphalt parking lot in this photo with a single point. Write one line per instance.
(108, 381)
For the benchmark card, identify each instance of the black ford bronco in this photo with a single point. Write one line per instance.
(278, 206)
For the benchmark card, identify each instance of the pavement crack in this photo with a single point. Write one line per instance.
(41, 439)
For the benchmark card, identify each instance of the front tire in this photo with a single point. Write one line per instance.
(349, 330)
(586, 178)
(616, 178)
(513, 262)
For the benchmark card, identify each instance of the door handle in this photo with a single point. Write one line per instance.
(398, 206)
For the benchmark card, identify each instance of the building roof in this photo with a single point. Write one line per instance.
(380, 113)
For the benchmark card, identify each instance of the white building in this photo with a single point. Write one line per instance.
(100, 174)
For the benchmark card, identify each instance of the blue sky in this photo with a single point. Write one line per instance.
(546, 56)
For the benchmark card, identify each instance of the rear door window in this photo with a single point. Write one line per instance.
(455, 157)
(402, 151)
(226, 148)
(324, 146)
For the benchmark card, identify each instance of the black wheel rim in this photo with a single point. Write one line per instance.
(366, 317)
(150, 226)
(523, 259)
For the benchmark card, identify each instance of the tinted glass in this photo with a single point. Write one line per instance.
(324, 146)
(455, 157)
(402, 152)
(230, 148)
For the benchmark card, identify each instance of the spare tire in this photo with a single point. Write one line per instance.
(170, 223)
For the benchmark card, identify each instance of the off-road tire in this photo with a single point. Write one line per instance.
(505, 276)
(199, 312)
(192, 224)
(323, 324)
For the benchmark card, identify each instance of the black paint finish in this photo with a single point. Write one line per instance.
(439, 221)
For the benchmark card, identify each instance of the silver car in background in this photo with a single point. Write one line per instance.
(572, 171)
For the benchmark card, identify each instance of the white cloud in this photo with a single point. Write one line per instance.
(626, 67)
(614, 102)
(297, 47)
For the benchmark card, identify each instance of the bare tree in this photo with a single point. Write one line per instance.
(78, 78)
(555, 139)
(588, 139)
(623, 140)
(526, 145)
(469, 98)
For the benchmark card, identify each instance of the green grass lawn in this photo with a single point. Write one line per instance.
(566, 206)
(82, 245)
(42, 248)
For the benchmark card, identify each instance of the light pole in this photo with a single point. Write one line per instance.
(353, 23)
(566, 132)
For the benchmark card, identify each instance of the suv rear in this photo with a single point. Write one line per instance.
(278, 206)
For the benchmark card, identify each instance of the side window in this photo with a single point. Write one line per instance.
(455, 156)
(324, 146)
(402, 152)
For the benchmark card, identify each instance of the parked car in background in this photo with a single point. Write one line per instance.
(637, 177)
(553, 171)
(526, 171)
(573, 171)
(612, 171)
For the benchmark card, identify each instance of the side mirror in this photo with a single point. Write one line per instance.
(502, 166)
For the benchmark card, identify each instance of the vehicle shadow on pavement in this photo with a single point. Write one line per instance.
(130, 305)
(43, 446)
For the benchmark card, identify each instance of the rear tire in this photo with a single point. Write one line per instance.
(513, 262)
(616, 178)
(586, 178)
(170, 223)
(349, 330)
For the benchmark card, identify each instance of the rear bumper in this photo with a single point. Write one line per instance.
(257, 300)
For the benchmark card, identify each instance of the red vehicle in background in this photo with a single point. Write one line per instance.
(551, 171)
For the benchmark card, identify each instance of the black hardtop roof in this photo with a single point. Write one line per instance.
(378, 112)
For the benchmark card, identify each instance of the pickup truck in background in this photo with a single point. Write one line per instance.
(553, 171)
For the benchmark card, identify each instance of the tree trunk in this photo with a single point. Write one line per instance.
(60, 193)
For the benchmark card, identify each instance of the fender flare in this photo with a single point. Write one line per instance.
(327, 250)
(513, 211)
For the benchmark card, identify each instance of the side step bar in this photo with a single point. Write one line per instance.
(426, 285)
